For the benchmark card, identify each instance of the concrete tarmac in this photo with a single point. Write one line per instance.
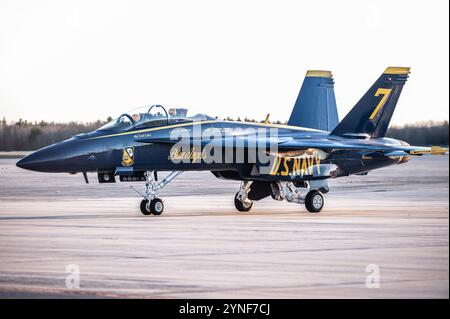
(394, 221)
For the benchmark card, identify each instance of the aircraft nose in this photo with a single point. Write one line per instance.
(47, 159)
(67, 156)
(35, 161)
(22, 163)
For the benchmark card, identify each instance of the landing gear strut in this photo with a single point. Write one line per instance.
(241, 200)
(151, 204)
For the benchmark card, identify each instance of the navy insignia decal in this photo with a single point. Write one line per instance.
(127, 156)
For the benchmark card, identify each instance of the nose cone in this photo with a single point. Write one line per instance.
(40, 160)
(69, 156)
(52, 158)
(23, 163)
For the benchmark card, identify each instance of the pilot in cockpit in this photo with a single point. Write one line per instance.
(172, 112)
(136, 117)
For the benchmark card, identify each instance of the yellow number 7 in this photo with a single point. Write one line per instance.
(385, 93)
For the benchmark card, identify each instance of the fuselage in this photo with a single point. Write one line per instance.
(102, 151)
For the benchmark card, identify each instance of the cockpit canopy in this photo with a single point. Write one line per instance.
(152, 116)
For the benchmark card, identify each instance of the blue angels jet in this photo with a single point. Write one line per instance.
(287, 162)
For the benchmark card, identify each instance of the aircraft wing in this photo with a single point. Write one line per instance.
(289, 143)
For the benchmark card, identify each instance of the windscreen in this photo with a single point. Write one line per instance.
(152, 116)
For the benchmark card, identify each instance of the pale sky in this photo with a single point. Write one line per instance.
(86, 60)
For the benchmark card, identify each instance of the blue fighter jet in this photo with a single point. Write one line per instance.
(287, 162)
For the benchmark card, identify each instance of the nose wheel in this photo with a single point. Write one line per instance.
(155, 206)
(152, 205)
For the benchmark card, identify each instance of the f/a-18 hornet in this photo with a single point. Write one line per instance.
(287, 162)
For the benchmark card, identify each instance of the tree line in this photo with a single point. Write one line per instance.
(28, 136)
(421, 134)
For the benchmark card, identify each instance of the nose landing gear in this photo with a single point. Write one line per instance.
(151, 204)
(155, 206)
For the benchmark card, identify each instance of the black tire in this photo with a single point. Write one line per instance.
(240, 206)
(314, 201)
(145, 208)
(156, 206)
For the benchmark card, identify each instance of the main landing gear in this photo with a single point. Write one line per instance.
(241, 200)
(292, 192)
(289, 191)
(151, 204)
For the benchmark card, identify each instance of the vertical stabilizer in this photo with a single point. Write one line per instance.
(316, 104)
(373, 112)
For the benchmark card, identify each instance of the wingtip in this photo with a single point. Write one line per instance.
(433, 150)
(437, 150)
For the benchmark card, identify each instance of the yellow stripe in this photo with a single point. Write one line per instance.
(397, 70)
(319, 73)
(288, 127)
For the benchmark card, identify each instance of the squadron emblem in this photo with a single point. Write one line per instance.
(127, 156)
